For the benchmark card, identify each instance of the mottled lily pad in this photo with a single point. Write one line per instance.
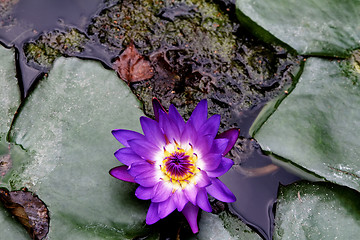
(10, 100)
(13, 160)
(311, 27)
(316, 126)
(9, 90)
(66, 125)
(317, 211)
(10, 228)
(224, 226)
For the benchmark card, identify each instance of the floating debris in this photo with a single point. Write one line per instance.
(29, 210)
(132, 67)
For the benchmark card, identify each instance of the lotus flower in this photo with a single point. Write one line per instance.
(176, 164)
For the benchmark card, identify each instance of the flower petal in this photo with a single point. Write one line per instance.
(143, 193)
(209, 162)
(191, 212)
(169, 128)
(224, 166)
(157, 107)
(232, 135)
(190, 192)
(176, 117)
(189, 134)
(211, 126)
(147, 179)
(199, 115)
(144, 149)
(161, 192)
(202, 179)
(152, 214)
(202, 200)
(180, 199)
(138, 168)
(219, 191)
(123, 136)
(166, 207)
(219, 145)
(152, 131)
(203, 143)
(127, 156)
(121, 173)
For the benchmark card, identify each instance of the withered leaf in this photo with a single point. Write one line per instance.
(132, 67)
(29, 210)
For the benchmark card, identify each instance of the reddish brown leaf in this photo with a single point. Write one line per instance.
(132, 67)
(29, 210)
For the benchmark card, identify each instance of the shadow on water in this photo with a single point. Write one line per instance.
(253, 179)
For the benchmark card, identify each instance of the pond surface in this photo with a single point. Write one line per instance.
(23, 21)
(253, 179)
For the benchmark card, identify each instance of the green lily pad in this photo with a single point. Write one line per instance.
(224, 226)
(311, 27)
(10, 97)
(13, 161)
(317, 211)
(316, 126)
(10, 100)
(9, 90)
(66, 126)
(10, 228)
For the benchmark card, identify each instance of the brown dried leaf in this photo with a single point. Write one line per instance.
(29, 210)
(132, 67)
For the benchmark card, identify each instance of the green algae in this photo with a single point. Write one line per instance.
(197, 48)
(198, 52)
(54, 44)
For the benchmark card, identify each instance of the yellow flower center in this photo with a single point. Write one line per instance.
(179, 165)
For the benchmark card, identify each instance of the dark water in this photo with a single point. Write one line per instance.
(256, 192)
(255, 183)
(26, 20)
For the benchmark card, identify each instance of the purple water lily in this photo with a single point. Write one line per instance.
(175, 163)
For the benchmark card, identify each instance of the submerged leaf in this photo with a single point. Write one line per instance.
(29, 210)
(132, 67)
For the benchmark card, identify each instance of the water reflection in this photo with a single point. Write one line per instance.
(254, 180)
